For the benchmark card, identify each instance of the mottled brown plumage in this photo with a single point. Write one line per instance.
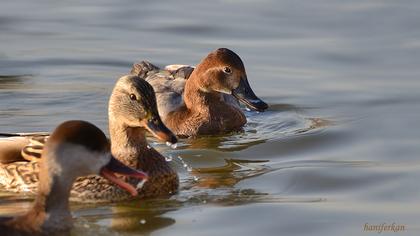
(132, 112)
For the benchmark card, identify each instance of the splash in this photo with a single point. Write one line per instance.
(140, 184)
(187, 167)
(172, 145)
(168, 158)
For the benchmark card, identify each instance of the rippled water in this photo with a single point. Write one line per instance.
(338, 148)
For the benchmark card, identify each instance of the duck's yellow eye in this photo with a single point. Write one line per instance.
(227, 70)
(133, 97)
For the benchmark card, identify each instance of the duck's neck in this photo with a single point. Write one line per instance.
(198, 100)
(50, 211)
(127, 142)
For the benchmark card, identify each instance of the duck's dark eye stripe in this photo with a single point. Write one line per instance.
(146, 95)
(149, 95)
(133, 97)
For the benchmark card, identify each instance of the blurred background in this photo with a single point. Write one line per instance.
(338, 148)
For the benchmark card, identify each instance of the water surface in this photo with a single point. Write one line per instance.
(338, 148)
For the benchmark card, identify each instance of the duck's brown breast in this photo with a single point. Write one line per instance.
(218, 119)
(163, 180)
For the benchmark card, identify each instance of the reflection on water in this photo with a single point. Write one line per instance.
(229, 174)
(338, 147)
(140, 217)
(261, 127)
(13, 81)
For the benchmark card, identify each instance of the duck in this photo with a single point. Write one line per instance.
(202, 100)
(75, 148)
(132, 112)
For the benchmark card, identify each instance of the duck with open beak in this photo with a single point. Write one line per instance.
(76, 148)
(116, 167)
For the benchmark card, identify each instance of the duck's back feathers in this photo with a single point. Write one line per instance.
(19, 155)
(11, 147)
(20, 176)
(33, 151)
(144, 69)
(21, 147)
(168, 84)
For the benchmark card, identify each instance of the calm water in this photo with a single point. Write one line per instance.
(339, 147)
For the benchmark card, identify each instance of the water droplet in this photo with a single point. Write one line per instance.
(168, 158)
(172, 145)
(185, 165)
(148, 147)
(195, 178)
(189, 168)
(204, 201)
(142, 221)
(140, 184)
(247, 109)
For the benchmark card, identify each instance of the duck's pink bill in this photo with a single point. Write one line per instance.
(115, 166)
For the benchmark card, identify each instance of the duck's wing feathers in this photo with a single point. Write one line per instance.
(168, 85)
(143, 69)
(181, 71)
(21, 146)
(33, 151)
(20, 176)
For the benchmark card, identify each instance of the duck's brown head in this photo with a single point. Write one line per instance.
(77, 148)
(133, 104)
(223, 71)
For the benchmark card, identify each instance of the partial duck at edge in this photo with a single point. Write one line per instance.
(74, 149)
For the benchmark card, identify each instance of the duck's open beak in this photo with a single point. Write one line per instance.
(116, 167)
(245, 95)
(155, 126)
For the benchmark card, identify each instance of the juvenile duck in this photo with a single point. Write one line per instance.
(202, 101)
(74, 149)
(132, 111)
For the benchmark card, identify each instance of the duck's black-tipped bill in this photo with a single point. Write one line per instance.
(116, 167)
(160, 131)
(245, 95)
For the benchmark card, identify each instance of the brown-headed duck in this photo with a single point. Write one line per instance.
(202, 100)
(75, 148)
